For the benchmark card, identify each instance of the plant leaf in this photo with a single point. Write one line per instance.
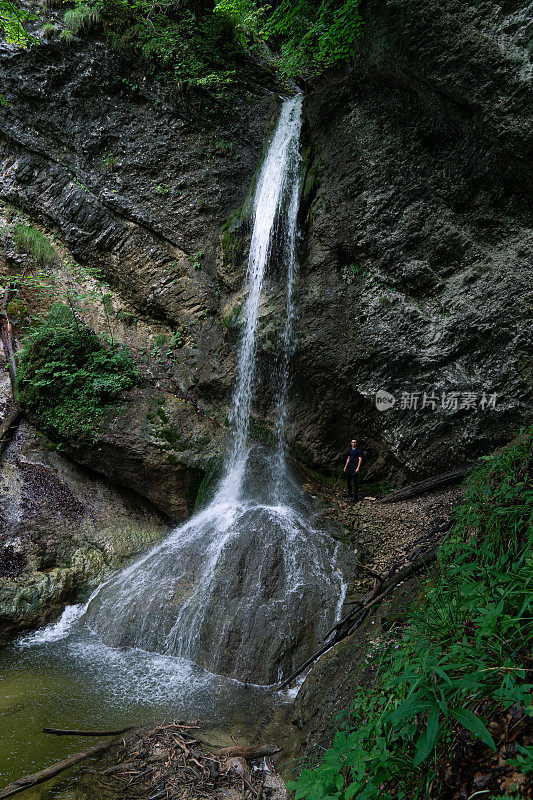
(473, 723)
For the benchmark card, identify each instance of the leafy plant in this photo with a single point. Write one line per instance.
(68, 376)
(197, 259)
(462, 649)
(315, 34)
(12, 19)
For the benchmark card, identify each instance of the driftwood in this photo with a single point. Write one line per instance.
(174, 760)
(50, 772)
(68, 732)
(421, 487)
(250, 753)
(357, 615)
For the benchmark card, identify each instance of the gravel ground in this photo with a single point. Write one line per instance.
(384, 535)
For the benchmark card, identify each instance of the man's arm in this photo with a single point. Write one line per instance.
(346, 465)
(359, 463)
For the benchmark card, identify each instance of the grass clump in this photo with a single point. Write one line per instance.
(30, 240)
(68, 376)
(82, 17)
(461, 665)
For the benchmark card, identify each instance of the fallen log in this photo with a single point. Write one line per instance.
(9, 421)
(427, 485)
(249, 753)
(69, 732)
(28, 781)
(8, 341)
(252, 752)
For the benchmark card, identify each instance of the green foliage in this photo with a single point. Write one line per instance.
(82, 17)
(188, 44)
(67, 36)
(12, 19)
(314, 34)
(68, 376)
(195, 45)
(127, 317)
(463, 649)
(30, 240)
(197, 259)
(109, 163)
(48, 30)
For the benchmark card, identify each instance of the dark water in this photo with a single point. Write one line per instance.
(78, 683)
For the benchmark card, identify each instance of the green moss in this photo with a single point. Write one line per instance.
(209, 480)
(170, 435)
(162, 416)
(260, 432)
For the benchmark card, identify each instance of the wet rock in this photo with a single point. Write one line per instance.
(62, 529)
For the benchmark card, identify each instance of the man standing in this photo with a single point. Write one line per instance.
(351, 468)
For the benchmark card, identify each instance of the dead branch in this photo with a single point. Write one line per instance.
(69, 732)
(50, 772)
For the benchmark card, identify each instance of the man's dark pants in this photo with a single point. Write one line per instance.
(351, 481)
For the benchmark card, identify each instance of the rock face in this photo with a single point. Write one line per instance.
(415, 249)
(61, 529)
(156, 445)
(417, 240)
(134, 186)
(416, 235)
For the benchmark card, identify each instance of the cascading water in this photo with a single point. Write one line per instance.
(248, 586)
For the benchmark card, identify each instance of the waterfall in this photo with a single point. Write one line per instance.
(248, 586)
(278, 177)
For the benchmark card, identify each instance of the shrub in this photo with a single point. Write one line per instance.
(461, 659)
(68, 376)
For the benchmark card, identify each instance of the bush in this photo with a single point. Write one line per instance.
(68, 376)
(460, 661)
(199, 45)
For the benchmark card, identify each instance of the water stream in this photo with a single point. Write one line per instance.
(242, 593)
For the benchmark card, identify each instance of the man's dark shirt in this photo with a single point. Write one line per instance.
(354, 456)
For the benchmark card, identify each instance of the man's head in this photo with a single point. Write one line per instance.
(354, 443)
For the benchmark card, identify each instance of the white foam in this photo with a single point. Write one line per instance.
(56, 630)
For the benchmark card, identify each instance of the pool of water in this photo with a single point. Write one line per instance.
(69, 679)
